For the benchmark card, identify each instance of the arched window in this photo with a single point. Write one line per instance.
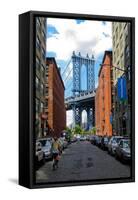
(83, 77)
(84, 119)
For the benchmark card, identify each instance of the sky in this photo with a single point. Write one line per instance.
(86, 36)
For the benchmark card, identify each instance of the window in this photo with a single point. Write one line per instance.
(37, 63)
(117, 53)
(116, 33)
(127, 51)
(37, 83)
(38, 22)
(43, 34)
(121, 36)
(37, 105)
(125, 24)
(46, 92)
(43, 70)
(121, 144)
(46, 103)
(114, 56)
(121, 44)
(43, 53)
(42, 89)
(38, 43)
(42, 107)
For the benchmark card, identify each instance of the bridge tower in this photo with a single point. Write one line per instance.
(78, 61)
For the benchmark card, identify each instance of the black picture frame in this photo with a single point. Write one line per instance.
(27, 92)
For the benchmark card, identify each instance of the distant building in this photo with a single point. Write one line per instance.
(103, 98)
(121, 60)
(56, 111)
(40, 122)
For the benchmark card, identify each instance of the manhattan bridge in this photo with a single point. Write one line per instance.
(81, 99)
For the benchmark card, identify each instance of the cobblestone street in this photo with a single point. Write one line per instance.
(83, 161)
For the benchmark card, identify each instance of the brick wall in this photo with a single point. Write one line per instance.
(56, 106)
(103, 97)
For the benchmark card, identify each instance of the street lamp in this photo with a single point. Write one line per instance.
(118, 68)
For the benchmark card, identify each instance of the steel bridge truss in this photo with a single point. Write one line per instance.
(78, 61)
(77, 114)
(82, 99)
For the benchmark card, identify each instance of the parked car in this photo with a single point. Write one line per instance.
(83, 138)
(78, 137)
(44, 140)
(47, 149)
(74, 139)
(104, 143)
(39, 154)
(98, 140)
(123, 151)
(88, 137)
(93, 139)
(113, 143)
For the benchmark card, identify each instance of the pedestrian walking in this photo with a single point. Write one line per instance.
(56, 152)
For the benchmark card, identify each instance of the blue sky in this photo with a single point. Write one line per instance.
(65, 35)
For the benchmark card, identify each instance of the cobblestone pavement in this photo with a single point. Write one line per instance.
(83, 161)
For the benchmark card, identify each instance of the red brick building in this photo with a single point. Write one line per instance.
(103, 98)
(56, 111)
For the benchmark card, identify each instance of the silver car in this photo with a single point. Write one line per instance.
(113, 144)
(39, 154)
(47, 149)
(123, 151)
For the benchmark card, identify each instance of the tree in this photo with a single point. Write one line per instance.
(94, 130)
(78, 130)
(69, 133)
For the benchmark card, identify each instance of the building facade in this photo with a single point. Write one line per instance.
(56, 111)
(103, 98)
(40, 78)
(121, 68)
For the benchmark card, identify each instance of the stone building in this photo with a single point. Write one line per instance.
(121, 68)
(103, 98)
(40, 70)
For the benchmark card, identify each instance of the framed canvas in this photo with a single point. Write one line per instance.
(76, 99)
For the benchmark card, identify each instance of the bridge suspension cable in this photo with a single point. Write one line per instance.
(66, 68)
(68, 74)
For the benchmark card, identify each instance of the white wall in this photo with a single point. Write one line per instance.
(9, 11)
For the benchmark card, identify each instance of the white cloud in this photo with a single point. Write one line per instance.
(87, 37)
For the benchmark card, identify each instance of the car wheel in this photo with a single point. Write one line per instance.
(43, 160)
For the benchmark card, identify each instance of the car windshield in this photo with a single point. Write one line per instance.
(106, 139)
(126, 144)
(44, 142)
(47, 144)
(117, 139)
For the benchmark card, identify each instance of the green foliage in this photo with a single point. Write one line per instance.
(78, 130)
(94, 130)
(69, 133)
